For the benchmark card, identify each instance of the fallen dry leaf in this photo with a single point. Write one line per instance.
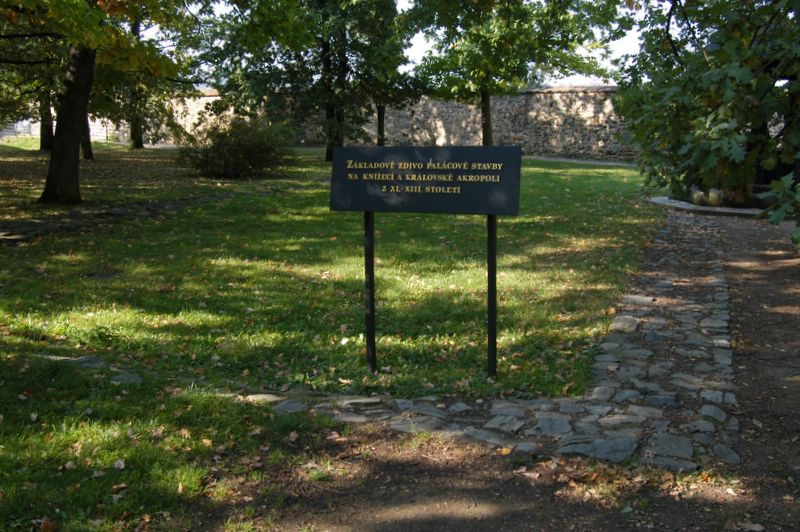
(119, 464)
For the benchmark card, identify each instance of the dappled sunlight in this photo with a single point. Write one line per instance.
(266, 286)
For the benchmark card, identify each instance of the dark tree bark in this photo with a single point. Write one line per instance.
(86, 139)
(326, 81)
(381, 125)
(486, 118)
(137, 127)
(45, 122)
(335, 68)
(63, 174)
(342, 68)
(136, 121)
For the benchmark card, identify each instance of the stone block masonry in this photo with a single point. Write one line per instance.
(569, 122)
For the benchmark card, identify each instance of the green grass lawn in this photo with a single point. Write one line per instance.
(265, 289)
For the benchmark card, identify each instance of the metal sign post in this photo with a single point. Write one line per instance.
(453, 180)
(369, 288)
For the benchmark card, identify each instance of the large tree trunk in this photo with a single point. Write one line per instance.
(86, 139)
(335, 68)
(136, 121)
(486, 118)
(342, 68)
(63, 183)
(326, 80)
(381, 125)
(136, 125)
(45, 122)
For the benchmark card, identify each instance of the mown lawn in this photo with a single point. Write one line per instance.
(264, 289)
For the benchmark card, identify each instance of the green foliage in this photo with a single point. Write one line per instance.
(490, 47)
(785, 195)
(498, 46)
(712, 98)
(241, 147)
(296, 59)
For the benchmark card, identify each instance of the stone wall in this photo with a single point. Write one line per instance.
(569, 122)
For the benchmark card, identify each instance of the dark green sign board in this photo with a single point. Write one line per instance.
(454, 180)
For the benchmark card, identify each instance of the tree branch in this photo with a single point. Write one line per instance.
(42, 35)
(672, 45)
(8, 61)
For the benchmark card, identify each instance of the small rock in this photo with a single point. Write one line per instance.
(349, 417)
(508, 424)
(715, 396)
(676, 465)
(626, 395)
(701, 425)
(645, 411)
(713, 412)
(348, 402)
(525, 448)
(459, 408)
(670, 445)
(620, 420)
(292, 406)
(87, 362)
(403, 404)
(427, 409)
(126, 378)
(415, 424)
(552, 425)
(726, 454)
(507, 408)
(485, 436)
(600, 393)
(614, 449)
(624, 324)
(262, 398)
(637, 300)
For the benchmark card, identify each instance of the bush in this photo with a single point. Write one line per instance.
(785, 196)
(241, 148)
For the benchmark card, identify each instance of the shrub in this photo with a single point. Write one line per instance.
(785, 196)
(241, 148)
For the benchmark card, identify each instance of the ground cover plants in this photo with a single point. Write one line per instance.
(261, 289)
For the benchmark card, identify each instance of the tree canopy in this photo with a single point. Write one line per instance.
(489, 47)
(67, 41)
(712, 98)
(337, 58)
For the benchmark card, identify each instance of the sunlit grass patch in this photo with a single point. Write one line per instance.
(98, 451)
(266, 287)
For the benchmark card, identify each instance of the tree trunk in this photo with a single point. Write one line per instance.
(45, 122)
(381, 125)
(86, 139)
(137, 100)
(486, 118)
(326, 80)
(136, 125)
(63, 184)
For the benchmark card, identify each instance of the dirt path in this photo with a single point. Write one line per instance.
(381, 481)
